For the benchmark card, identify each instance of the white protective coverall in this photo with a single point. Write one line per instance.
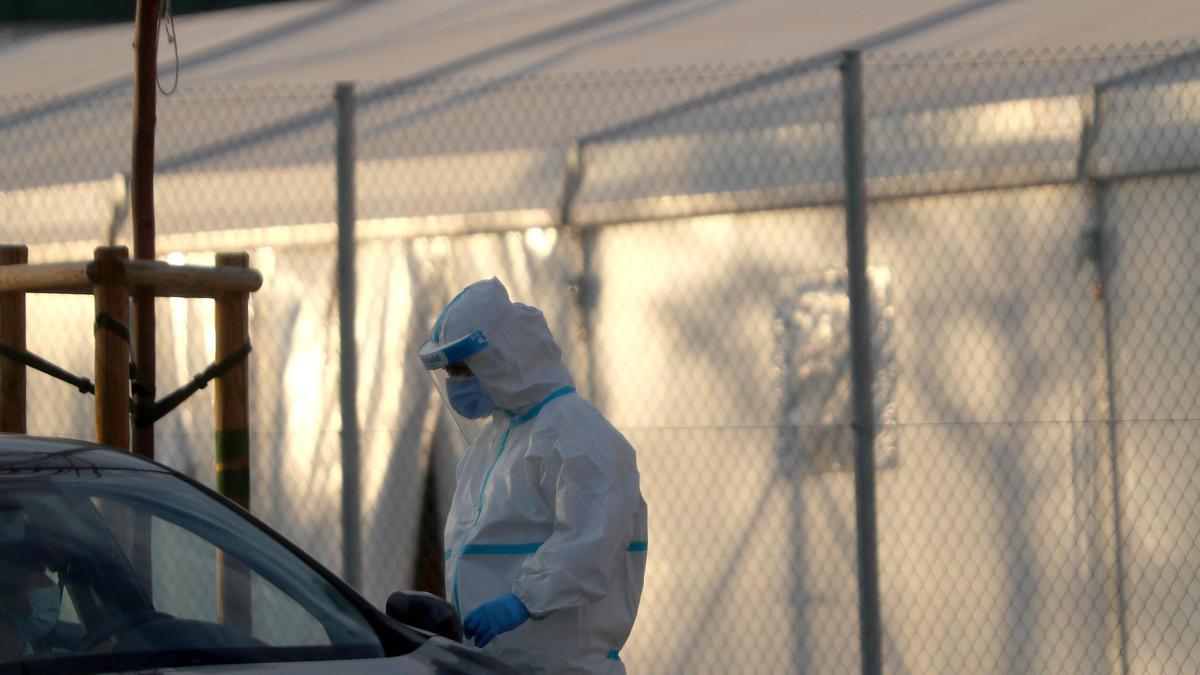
(548, 504)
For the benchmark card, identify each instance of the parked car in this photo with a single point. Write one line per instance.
(110, 563)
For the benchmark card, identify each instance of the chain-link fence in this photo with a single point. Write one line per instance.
(1031, 334)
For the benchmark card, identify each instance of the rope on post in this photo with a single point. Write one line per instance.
(108, 323)
(142, 415)
(105, 321)
(148, 415)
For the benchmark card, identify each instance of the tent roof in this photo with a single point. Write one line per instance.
(323, 41)
(472, 107)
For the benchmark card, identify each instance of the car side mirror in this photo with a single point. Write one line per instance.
(425, 611)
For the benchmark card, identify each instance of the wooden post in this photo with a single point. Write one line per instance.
(112, 348)
(12, 333)
(232, 406)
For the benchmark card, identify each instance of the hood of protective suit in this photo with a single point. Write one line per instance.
(521, 364)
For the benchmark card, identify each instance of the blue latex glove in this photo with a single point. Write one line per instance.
(494, 617)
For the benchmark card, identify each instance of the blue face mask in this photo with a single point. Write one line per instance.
(44, 605)
(467, 398)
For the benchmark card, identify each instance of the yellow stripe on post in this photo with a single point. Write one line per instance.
(233, 465)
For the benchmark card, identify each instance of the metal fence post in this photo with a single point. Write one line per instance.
(861, 367)
(1097, 253)
(585, 285)
(351, 501)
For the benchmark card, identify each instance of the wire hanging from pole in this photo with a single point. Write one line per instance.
(166, 16)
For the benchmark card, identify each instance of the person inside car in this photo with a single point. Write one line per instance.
(30, 599)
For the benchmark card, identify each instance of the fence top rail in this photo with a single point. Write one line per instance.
(168, 281)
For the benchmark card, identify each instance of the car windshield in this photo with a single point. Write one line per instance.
(111, 569)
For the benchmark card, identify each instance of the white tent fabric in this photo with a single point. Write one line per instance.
(431, 169)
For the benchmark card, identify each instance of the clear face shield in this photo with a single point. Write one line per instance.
(469, 407)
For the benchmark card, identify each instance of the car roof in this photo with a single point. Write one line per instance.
(23, 451)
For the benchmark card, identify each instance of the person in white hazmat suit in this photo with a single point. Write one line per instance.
(546, 537)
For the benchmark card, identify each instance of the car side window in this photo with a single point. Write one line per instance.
(67, 611)
(190, 578)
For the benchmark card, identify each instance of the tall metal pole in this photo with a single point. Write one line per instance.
(1109, 476)
(1099, 253)
(351, 501)
(585, 285)
(145, 81)
(861, 366)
